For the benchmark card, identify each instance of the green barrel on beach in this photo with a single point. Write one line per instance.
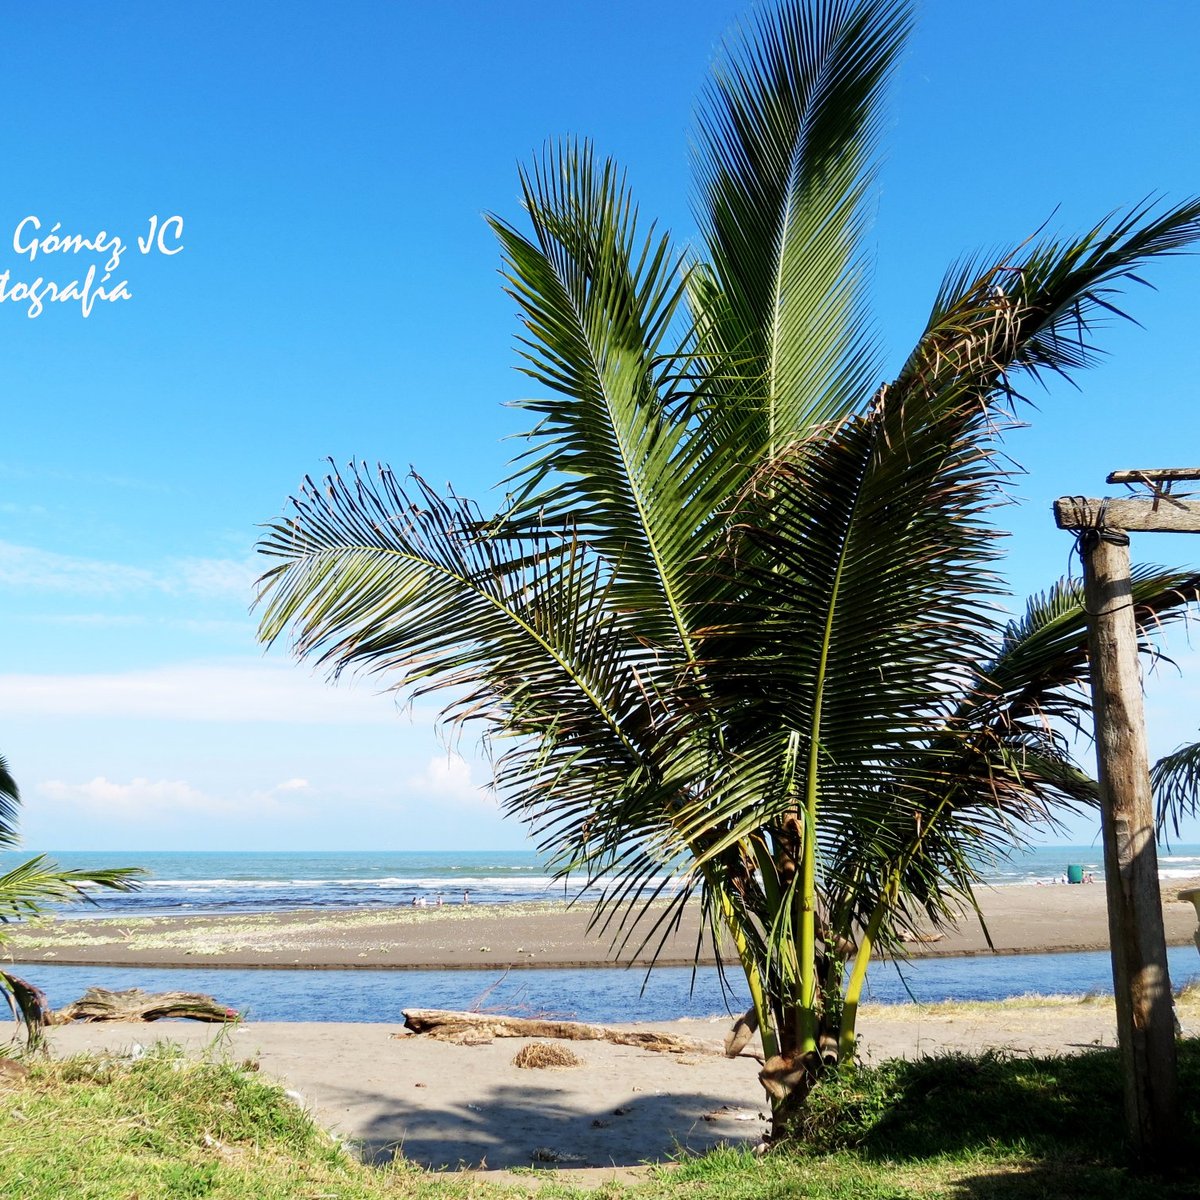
(1075, 873)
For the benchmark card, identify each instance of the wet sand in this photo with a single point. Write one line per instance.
(1020, 919)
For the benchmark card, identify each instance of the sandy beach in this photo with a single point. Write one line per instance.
(1020, 919)
(444, 1105)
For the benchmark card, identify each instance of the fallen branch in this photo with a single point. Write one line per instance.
(468, 1028)
(99, 1004)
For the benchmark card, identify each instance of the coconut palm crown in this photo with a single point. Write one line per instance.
(738, 620)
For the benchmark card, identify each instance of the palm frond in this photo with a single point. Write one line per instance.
(1040, 673)
(1175, 782)
(1034, 309)
(28, 1005)
(783, 164)
(10, 799)
(29, 886)
(524, 634)
(612, 454)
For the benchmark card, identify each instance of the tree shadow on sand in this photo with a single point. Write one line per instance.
(541, 1125)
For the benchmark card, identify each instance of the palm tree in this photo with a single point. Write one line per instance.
(25, 890)
(737, 621)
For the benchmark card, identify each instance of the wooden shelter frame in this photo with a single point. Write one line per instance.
(1141, 980)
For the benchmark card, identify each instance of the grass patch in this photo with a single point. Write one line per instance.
(1061, 1118)
(1187, 1003)
(988, 1127)
(91, 1128)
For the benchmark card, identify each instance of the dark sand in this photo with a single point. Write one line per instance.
(1020, 919)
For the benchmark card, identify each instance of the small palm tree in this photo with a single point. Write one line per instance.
(28, 887)
(737, 622)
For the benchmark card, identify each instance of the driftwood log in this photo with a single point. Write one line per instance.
(99, 1004)
(467, 1028)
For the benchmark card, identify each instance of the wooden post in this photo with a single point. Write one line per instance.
(1142, 985)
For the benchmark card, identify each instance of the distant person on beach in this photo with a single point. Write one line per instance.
(466, 897)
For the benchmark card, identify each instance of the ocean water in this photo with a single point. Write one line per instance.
(187, 883)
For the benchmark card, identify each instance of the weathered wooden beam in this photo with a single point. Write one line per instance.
(1141, 982)
(1154, 475)
(1165, 514)
(99, 1004)
(470, 1028)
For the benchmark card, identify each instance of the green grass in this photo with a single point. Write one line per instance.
(989, 1127)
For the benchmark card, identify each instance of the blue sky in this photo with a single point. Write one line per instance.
(337, 295)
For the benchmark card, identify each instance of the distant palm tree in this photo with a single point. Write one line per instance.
(737, 622)
(27, 888)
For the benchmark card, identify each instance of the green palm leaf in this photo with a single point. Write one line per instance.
(1175, 781)
(10, 799)
(25, 889)
(783, 164)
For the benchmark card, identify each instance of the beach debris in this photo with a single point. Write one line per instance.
(546, 1054)
(12, 1071)
(100, 1004)
(745, 1027)
(465, 1028)
(728, 1112)
(549, 1155)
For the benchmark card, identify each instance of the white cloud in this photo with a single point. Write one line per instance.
(89, 620)
(136, 798)
(29, 568)
(216, 576)
(448, 777)
(26, 567)
(150, 798)
(246, 691)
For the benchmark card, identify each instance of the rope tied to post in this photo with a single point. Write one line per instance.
(1090, 534)
(1095, 531)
